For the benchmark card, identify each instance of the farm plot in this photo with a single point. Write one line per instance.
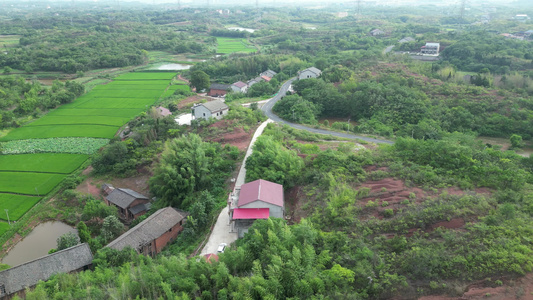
(110, 93)
(143, 85)
(138, 103)
(126, 113)
(173, 88)
(54, 145)
(42, 162)
(9, 40)
(146, 76)
(49, 131)
(3, 227)
(29, 183)
(17, 205)
(79, 120)
(231, 45)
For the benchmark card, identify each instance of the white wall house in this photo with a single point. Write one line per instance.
(239, 87)
(216, 109)
(311, 72)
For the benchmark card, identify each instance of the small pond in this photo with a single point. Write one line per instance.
(242, 29)
(173, 67)
(37, 243)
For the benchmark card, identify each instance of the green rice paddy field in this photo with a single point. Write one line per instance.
(231, 45)
(25, 178)
(29, 183)
(42, 162)
(17, 206)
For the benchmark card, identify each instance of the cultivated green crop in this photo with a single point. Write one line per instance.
(54, 145)
(3, 227)
(119, 103)
(128, 93)
(171, 89)
(29, 183)
(127, 113)
(230, 45)
(146, 76)
(80, 120)
(48, 131)
(42, 162)
(17, 206)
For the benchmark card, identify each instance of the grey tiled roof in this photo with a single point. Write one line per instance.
(215, 105)
(124, 197)
(29, 274)
(219, 86)
(139, 208)
(148, 230)
(314, 70)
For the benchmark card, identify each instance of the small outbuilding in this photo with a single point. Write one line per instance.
(430, 48)
(17, 279)
(129, 203)
(311, 72)
(216, 109)
(151, 235)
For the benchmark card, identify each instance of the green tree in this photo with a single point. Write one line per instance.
(271, 161)
(97, 209)
(184, 168)
(7, 70)
(200, 80)
(516, 141)
(67, 240)
(111, 228)
(83, 232)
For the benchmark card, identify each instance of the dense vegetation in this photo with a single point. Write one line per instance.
(430, 214)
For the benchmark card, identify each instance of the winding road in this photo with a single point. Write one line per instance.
(267, 109)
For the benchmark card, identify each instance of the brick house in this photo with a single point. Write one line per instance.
(129, 203)
(151, 235)
(15, 280)
(259, 199)
(218, 90)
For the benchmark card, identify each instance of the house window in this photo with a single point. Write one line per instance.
(170, 230)
(204, 114)
(2, 289)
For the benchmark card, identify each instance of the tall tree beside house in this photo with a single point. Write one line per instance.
(67, 240)
(200, 80)
(187, 166)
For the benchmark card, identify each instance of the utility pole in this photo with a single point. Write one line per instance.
(7, 210)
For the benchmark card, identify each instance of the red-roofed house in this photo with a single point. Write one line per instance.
(162, 111)
(259, 199)
(211, 257)
(266, 78)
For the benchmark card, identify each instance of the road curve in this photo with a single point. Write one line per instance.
(267, 109)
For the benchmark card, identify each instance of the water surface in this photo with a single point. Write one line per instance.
(37, 244)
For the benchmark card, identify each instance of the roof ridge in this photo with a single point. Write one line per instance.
(50, 255)
(140, 225)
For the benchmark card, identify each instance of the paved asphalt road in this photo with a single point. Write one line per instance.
(267, 109)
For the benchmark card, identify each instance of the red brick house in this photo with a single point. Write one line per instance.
(151, 235)
(218, 90)
(129, 203)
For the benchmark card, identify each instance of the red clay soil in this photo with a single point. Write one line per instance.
(518, 288)
(189, 101)
(236, 137)
(137, 183)
(293, 204)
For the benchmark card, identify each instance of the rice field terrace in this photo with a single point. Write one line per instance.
(231, 45)
(35, 158)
